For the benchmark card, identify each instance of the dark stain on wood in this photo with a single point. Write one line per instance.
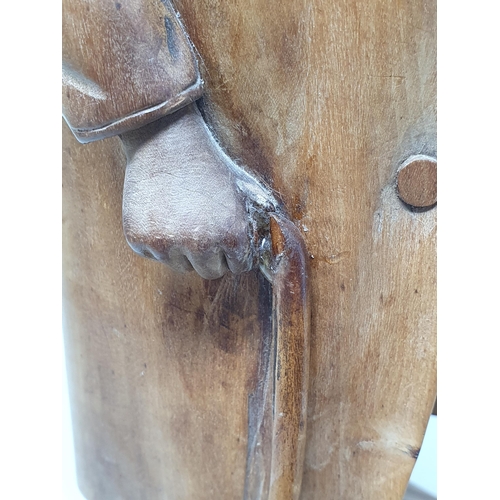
(259, 402)
(171, 38)
(413, 452)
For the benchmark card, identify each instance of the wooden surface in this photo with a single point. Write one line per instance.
(417, 182)
(125, 64)
(292, 319)
(161, 365)
(325, 102)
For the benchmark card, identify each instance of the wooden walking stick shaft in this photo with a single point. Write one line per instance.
(291, 326)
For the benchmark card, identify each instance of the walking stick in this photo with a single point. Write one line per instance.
(285, 266)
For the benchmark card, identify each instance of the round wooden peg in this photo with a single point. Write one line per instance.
(417, 181)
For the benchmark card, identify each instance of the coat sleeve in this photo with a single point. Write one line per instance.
(126, 63)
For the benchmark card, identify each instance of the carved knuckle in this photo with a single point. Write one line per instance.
(143, 240)
(133, 231)
(208, 245)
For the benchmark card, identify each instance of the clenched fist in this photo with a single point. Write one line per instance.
(185, 203)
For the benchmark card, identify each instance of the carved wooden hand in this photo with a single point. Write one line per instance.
(185, 203)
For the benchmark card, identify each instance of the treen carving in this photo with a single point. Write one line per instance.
(187, 205)
(288, 142)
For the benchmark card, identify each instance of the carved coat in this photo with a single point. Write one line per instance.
(109, 47)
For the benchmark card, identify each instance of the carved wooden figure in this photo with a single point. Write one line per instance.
(299, 359)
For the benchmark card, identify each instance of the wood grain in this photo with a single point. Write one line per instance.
(324, 102)
(417, 182)
(291, 309)
(125, 64)
(161, 365)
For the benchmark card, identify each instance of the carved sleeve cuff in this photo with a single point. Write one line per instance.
(124, 65)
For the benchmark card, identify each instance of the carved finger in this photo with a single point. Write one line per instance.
(177, 261)
(237, 263)
(209, 265)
